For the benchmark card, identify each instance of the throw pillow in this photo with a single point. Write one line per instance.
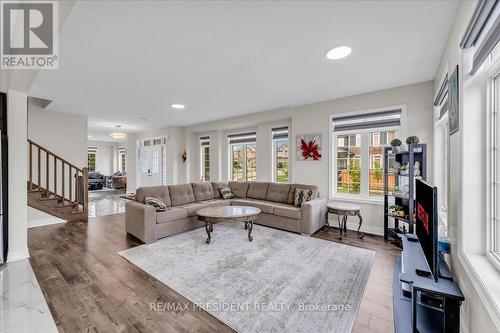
(226, 192)
(301, 195)
(156, 203)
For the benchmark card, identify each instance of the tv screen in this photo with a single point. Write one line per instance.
(426, 223)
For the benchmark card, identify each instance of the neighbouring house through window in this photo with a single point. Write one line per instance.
(358, 143)
(205, 158)
(280, 154)
(243, 163)
(91, 158)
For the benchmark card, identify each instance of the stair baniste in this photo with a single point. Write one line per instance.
(56, 186)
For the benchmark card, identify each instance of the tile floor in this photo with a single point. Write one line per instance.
(106, 202)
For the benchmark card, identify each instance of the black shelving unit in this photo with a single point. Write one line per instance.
(403, 193)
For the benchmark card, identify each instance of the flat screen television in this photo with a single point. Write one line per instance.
(426, 223)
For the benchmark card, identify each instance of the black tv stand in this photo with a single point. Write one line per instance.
(422, 304)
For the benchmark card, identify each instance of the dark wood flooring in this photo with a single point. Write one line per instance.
(90, 288)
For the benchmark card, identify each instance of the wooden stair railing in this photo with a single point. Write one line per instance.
(57, 178)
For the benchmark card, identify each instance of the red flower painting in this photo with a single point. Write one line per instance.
(309, 147)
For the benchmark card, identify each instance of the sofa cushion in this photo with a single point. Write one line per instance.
(156, 203)
(257, 190)
(239, 189)
(264, 206)
(217, 202)
(301, 196)
(287, 211)
(203, 191)
(192, 208)
(159, 192)
(291, 194)
(278, 192)
(226, 192)
(181, 194)
(215, 186)
(171, 214)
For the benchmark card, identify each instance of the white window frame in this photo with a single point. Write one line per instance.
(441, 163)
(493, 158)
(365, 153)
(122, 153)
(274, 158)
(202, 161)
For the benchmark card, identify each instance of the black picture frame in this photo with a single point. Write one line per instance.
(453, 102)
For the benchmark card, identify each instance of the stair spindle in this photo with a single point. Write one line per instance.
(55, 176)
(31, 167)
(47, 192)
(39, 184)
(70, 185)
(62, 179)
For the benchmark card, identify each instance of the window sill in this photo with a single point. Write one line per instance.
(363, 200)
(484, 278)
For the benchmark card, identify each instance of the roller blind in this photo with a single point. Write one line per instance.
(242, 138)
(389, 118)
(483, 32)
(443, 92)
(280, 132)
(92, 150)
(205, 141)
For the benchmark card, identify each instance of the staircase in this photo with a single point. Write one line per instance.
(56, 186)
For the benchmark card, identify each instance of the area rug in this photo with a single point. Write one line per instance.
(280, 282)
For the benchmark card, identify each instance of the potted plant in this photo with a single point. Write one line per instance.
(397, 210)
(413, 140)
(396, 145)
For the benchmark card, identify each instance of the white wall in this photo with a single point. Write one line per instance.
(18, 213)
(312, 119)
(475, 315)
(107, 156)
(62, 133)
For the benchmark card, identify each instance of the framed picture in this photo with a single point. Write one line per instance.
(454, 117)
(309, 147)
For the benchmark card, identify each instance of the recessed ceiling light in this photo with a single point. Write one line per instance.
(178, 106)
(89, 136)
(338, 52)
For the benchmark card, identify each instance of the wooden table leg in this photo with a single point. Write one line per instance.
(208, 228)
(250, 238)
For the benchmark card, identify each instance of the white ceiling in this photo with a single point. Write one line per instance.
(123, 61)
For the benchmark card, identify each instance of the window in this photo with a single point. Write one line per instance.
(205, 158)
(280, 154)
(91, 158)
(122, 159)
(243, 162)
(358, 146)
(378, 140)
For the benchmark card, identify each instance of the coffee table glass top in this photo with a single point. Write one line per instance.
(228, 211)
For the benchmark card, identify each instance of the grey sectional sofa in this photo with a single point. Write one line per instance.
(274, 200)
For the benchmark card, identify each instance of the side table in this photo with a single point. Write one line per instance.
(344, 210)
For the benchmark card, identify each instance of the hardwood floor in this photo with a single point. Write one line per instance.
(89, 288)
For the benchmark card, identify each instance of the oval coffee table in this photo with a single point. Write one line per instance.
(221, 214)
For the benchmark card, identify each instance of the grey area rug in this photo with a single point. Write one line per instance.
(280, 282)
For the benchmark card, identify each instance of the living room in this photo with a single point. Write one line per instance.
(257, 166)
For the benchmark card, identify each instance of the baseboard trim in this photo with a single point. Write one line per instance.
(364, 228)
(18, 255)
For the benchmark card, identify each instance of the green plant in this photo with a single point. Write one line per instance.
(379, 172)
(395, 143)
(355, 177)
(396, 207)
(412, 140)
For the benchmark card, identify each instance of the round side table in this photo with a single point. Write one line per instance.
(344, 210)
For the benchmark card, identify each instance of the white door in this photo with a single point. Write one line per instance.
(151, 166)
